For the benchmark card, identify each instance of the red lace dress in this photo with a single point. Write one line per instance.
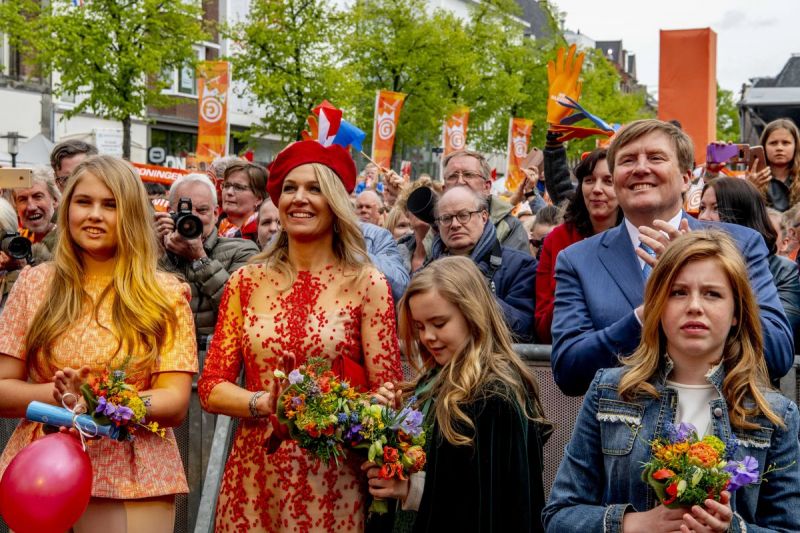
(324, 314)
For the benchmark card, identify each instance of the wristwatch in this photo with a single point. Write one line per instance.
(198, 264)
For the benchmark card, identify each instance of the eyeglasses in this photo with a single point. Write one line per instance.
(61, 181)
(462, 216)
(536, 242)
(466, 175)
(235, 186)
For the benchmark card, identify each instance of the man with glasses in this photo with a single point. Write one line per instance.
(66, 156)
(466, 229)
(470, 169)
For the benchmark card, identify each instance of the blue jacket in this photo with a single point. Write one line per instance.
(599, 478)
(385, 255)
(598, 285)
(513, 282)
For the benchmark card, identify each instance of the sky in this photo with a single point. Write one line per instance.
(755, 38)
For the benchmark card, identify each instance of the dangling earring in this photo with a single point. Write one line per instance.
(335, 227)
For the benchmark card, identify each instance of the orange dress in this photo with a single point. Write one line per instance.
(323, 314)
(149, 465)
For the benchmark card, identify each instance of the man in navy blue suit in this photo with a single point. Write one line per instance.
(600, 281)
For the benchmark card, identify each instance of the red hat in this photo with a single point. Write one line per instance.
(335, 157)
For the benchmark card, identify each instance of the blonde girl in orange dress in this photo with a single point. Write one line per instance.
(99, 303)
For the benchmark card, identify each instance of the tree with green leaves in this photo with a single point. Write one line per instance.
(286, 57)
(396, 45)
(110, 54)
(727, 116)
(513, 75)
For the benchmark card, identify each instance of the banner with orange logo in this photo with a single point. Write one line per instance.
(454, 131)
(387, 115)
(213, 83)
(519, 135)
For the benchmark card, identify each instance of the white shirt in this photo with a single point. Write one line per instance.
(694, 405)
(633, 232)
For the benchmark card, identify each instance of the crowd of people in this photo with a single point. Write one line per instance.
(420, 289)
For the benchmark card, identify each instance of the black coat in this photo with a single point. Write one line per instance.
(493, 486)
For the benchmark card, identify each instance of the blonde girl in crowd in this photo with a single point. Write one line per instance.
(99, 305)
(484, 454)
(700, 361)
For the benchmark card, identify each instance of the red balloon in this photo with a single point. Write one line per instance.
(47, 486)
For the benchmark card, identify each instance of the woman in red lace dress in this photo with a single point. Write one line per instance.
(312, 293)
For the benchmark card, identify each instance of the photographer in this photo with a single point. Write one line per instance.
(205, 261)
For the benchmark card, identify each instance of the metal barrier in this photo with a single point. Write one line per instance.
(204, 441)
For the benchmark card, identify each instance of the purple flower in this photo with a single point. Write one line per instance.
(681, 432)
(343, 418)
(353, 433)
(295, 377)
(411, 421)
(742, 472)
(122, 414)
(297, 401)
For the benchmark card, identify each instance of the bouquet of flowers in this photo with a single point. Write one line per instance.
(394, 440)
(326, 416)
(318, 409)
(686, 470)
(113, 402)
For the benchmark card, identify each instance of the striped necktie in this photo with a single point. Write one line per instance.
(646, 268)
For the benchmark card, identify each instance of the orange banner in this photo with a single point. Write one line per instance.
(213, 82)
(156, 174)
(691, 99)
(387, 115)
(519, 135)
(454, 131)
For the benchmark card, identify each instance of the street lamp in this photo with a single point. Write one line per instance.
(13, 145)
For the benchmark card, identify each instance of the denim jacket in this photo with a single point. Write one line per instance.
(599, 478)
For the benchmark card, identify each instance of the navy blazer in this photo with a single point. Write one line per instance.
(598, 285)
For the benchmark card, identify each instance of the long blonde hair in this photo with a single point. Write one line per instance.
(743, 354)
(487, 356)
(348, 241)
(143, 321)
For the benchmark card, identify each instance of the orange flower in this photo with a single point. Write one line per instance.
(664, 473)
(390, 455)
(703, 454)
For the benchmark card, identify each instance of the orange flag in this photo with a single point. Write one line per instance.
(454, 131)
(213, 82)
(519, 135)
(387, 114)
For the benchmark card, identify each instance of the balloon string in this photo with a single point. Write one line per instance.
(76, 411)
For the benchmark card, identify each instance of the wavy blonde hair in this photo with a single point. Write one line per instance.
(348, 241)
(143, 320)
(743, 355)
(487, 356)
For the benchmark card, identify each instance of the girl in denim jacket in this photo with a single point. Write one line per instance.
(701, 361)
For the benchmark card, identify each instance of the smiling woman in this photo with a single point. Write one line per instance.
(311, 293)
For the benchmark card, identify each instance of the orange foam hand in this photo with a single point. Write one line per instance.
(562, 77)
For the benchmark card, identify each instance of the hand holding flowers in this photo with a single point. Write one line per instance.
(326, 416)
(686, 471)
(113, 402)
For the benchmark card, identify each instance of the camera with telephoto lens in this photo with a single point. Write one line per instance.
(15, 246)
(187, 224)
